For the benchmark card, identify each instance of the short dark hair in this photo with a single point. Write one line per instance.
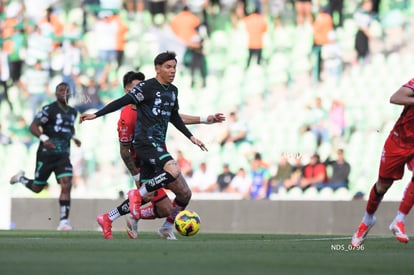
(61, 84)
(131, 76)
(164, 57)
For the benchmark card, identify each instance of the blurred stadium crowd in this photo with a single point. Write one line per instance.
(287, 105)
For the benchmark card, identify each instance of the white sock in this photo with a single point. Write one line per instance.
(400, 217)
(167, 224)
(367, 219)
(114, 214)
(143, 191)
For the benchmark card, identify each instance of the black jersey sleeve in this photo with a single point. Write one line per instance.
(176, 120)
(115, 105)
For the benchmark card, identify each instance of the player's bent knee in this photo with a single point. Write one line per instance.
(172, 168)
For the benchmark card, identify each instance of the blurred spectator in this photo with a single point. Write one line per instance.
(240, 184)
(184, 163)
(204, 180)
(14, 44)
(314, 173)
(89, 96)
(340, 172)
(106, 33)
(72, 50)
(336, 120)
(303, 12)
(224, 178)
(236, 131)
(35, 84)
(184, 26)
(52, 26)
(90, 9)
(260, 179)
(198, 60)
(283, 174)
(120, 39)
(189, 30)
(20, 132)
(256, 27)
(322, 28)
(363, 19)
(296, 174)
(317, 121)
(336, 10)
(332, 58)
(4, 77)
(39, 45)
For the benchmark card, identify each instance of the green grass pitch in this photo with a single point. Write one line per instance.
(86, 252)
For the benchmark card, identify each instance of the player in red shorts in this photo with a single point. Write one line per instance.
(398, 151)
(160, 206)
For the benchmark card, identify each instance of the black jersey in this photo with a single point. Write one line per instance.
(58, 125)
(156, 104)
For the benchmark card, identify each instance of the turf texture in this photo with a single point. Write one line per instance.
(86, 252)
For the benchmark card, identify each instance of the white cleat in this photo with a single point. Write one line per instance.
(361, 233)
(16, 178)
(398, 228)
(167, 233)
(132, 227)
(64, 226)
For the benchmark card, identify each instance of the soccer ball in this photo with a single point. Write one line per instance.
(187, 223)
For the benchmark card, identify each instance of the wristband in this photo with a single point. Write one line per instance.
(74, 137)
(204, 120)
(136, 177)
(43, 137)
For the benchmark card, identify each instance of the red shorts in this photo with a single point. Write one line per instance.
(393, 160)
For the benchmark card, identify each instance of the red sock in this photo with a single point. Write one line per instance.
(408, 199)
(147, 212)
(176, 209)
(374, 200)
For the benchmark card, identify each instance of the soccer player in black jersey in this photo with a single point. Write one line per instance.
(157, 105)
(54, 126)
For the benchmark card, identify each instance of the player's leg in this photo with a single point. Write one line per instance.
(63, 171)
(398, 224)
(159, 207)
(43, 170)
(183, 195)
(391, 168)
(105, 220)
(164, 171)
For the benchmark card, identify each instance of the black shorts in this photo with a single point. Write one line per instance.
(46, 164)
(151, 160)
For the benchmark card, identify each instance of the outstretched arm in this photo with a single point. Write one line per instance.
(210, 119)
(109, 108)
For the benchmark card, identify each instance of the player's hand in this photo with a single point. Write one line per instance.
(84, 117)
(49, 145)
(199, 143)
(77, 142)
(216, 118)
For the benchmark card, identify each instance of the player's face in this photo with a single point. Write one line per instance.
(166, 72)
(63, 94)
